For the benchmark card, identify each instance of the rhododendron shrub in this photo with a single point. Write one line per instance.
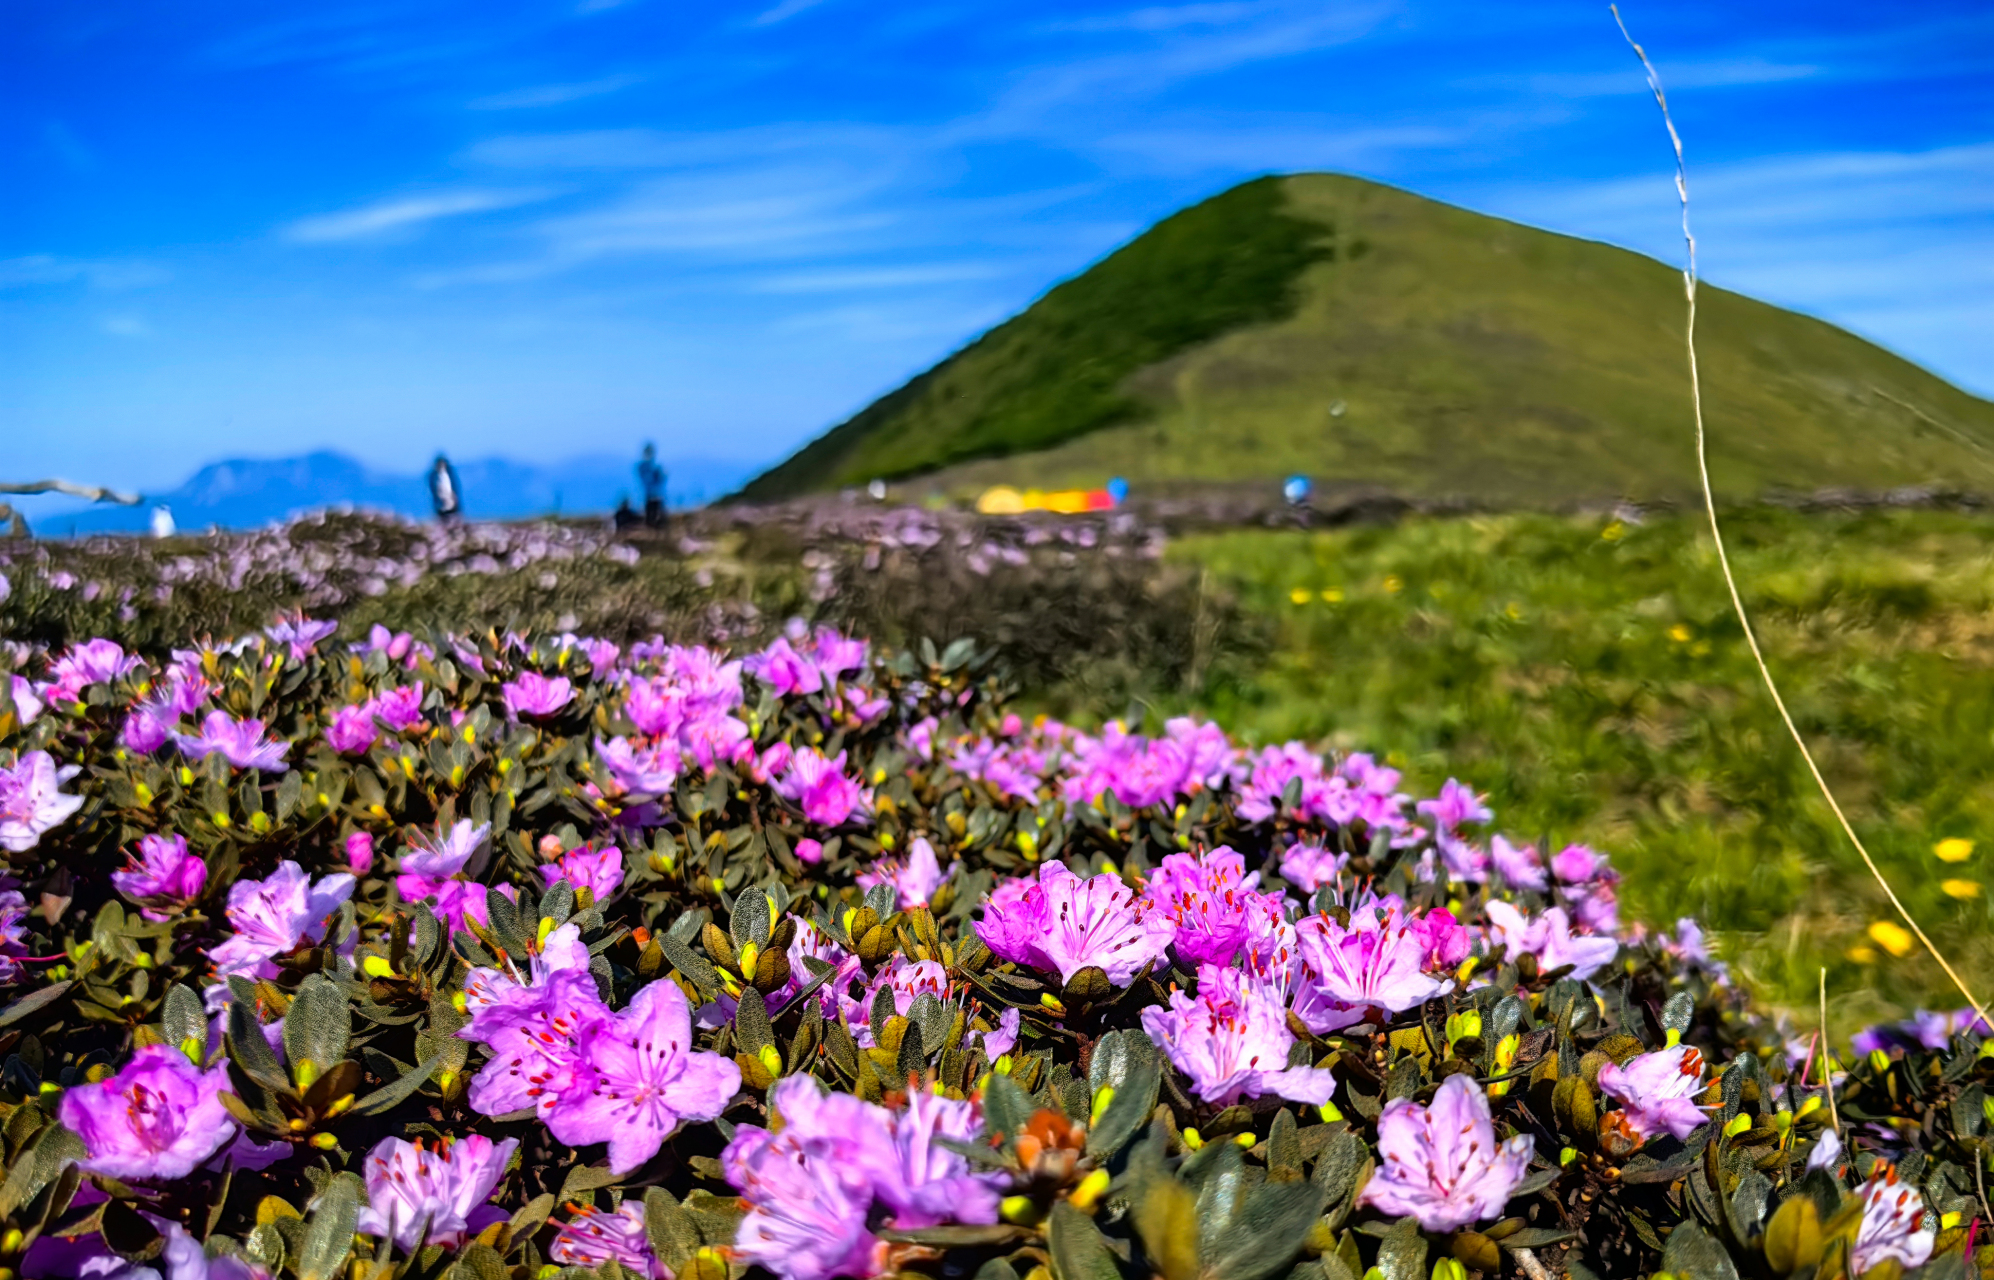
(462, 955)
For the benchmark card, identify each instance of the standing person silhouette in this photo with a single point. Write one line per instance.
(444, 491)
(652, 477)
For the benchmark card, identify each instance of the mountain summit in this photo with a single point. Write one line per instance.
(1355, 332)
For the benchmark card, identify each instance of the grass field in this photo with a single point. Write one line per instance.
(1587, 673)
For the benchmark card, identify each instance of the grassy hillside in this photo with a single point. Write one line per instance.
(1356, 332)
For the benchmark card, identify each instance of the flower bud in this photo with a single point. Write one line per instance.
(305, 1073)
(324, 1141)
(1449, 1269)
(1464, 1026)
(1103, 1096)
(1050, 1001)
(1018, 1209)
(1566, 1156)
(459, 1003)
(770, 1059)
(1879, 1061)
(1329, 1112)
(1193, 1140)
(1090, 1190)
(1246, 1140)
(12, 1241)
(1808, 1108)
(1740, 1123)
(360, 853)
(377, 967)
(540, 935)
(194, 1049)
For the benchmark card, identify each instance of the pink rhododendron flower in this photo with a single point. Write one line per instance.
(639, 768)
(1014, 922)
(92, 662)
(811, 1188)
(533, 695)
(783, 669)
(807, 1199)
(592, 1237)
(906, 979)
(820, 788)
(1444, 941)
(300, 635)
(915, 880)
(1576, 864)
(32, 802)
(1893, 1214)
(920, 737)
(1657, 1093)
(1373, 964)
(446, 1187)
(456, 902)
(926, 1184)
(1310, 867)
(240, 741)
(160, 1117)
(277, 915)
(1518, 866)
(147, 728)
(360, 852)
(1207, 898)
(1233, 1041)
(352, 731)
(1097, 922)
(808, 850)
(600, 871)
(400, 709)
(432, 859)
(27, 707)
(13, 934)
(1441, 1164)
(533, 1032)
(1454, 807)
(640, 1079)
(162, 877)
(1549, 938)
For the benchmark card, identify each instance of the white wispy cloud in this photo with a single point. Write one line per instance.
(1717, 74)
(126, 325)
(46, 269)
(553, 95)
(404, 213)
(784, 11)
(853, 279)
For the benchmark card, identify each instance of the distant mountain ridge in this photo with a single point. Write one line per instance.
(1358, 333)
(240, 493)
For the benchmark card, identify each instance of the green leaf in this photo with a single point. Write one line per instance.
(1006, 1108)
(41, 999)
(1402, 1251)
(1284, 1148)
(318, 1025)
(1268, 1231)
(183, 1017)
(1166, 1217)
(1079, 1251)
(670, 1229)
(1221, 1190)
(251, 1052)
(749, 920)
(751, 1022)
(585, 1178)
(693, 966)
(328, 1236)
(1130, 1107)
(1692, 1254)
(393, 1093)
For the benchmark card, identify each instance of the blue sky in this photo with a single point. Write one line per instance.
(549, 229)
